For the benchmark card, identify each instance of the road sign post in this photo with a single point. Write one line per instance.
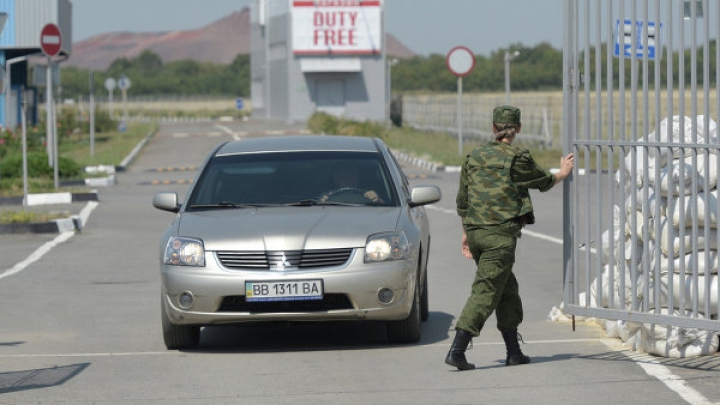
(461, 61)
(110, 86)
(124, 85)
(51, 43)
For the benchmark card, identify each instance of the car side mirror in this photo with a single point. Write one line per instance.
(422, 195)
(166, 201)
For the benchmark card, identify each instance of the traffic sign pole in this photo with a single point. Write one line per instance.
(51, 43)
(48, 113)
(461, 61)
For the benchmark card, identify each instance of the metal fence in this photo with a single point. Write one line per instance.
(541, 114)
(641, 225)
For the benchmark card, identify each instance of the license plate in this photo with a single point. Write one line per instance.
(293, 290)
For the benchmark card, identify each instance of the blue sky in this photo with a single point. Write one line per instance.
(425, 26)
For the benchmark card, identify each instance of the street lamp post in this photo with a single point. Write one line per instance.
(508, 57)
(388, 95)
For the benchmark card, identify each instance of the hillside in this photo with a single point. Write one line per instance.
(206, 44)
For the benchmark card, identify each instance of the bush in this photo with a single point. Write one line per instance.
(321, 123)
(331, 125)
(11, 166)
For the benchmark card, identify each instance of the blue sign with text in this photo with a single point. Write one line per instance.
(629, 35)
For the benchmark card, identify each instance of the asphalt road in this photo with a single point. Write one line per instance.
(80, 319)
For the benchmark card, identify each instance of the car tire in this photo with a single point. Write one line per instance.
(178, 337)
(407, 330)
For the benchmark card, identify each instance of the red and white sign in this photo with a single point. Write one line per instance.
(342, 27)
(50, 40)
(460, 60)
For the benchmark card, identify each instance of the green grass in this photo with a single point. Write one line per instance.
(444, 149)
(110, 148)
(24, 217)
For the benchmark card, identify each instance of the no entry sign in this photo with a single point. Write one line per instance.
(50, 40)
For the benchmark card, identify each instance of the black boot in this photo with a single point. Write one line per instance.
(514, 355)
(456, 355)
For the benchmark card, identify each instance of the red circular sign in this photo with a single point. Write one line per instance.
(50, 40)
(460, 60)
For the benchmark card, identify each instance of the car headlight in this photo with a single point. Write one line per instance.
(386, 246)
(182, 251)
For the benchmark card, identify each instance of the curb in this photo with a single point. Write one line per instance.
(51, 198)
(424, 164)
(73, 223)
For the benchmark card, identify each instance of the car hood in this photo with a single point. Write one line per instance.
(287, 228)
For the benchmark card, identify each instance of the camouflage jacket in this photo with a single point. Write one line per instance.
(495, 182)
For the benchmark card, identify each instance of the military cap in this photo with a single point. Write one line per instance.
(506, 114)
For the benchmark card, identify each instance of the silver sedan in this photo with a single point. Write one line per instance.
(296, 228)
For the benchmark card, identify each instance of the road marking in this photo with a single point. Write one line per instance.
(101, 354)
(651, 366)
(228, 131)
(47, 247)
(533, 234)
(654, 369)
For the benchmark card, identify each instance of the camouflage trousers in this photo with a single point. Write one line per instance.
(495, 287)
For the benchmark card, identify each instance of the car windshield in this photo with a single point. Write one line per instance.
(294, 178)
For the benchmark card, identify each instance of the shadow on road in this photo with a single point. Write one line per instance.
(39, 378)
(310, 336)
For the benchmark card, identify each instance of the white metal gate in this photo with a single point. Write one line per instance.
(640, 100)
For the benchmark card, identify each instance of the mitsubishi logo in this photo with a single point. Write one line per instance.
(282, 263)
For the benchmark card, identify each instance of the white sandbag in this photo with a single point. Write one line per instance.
(676, 342)
(661, 133)
(640, 201)
(689, 298)
(557, 314)
(689, 262)
(670, 241)
(710, 200)
(607, 245)
(625, 249)
(652, 156)
(622, 330)
(608, 288)
(639, 225)
(677, 176)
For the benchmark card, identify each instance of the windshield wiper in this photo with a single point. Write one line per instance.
(310, 203)
(230, 204)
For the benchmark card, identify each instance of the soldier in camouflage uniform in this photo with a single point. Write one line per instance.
(494, 203)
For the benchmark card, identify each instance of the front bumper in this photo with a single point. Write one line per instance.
(356, 285)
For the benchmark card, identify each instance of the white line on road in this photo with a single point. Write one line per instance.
(654, 369)
(650, 366)
(100, 354)
(44, 249)
(228, 131)
(110, 354)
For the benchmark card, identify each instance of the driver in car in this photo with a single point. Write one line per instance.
(345, 179)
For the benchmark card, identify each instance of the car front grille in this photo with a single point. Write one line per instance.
(329, 302)
(280, 260)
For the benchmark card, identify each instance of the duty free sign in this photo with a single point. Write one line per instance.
(342, 27)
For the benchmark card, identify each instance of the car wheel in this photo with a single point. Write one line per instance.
(178, 337)
(408, 330)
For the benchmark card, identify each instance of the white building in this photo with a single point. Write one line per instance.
(318, 55)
